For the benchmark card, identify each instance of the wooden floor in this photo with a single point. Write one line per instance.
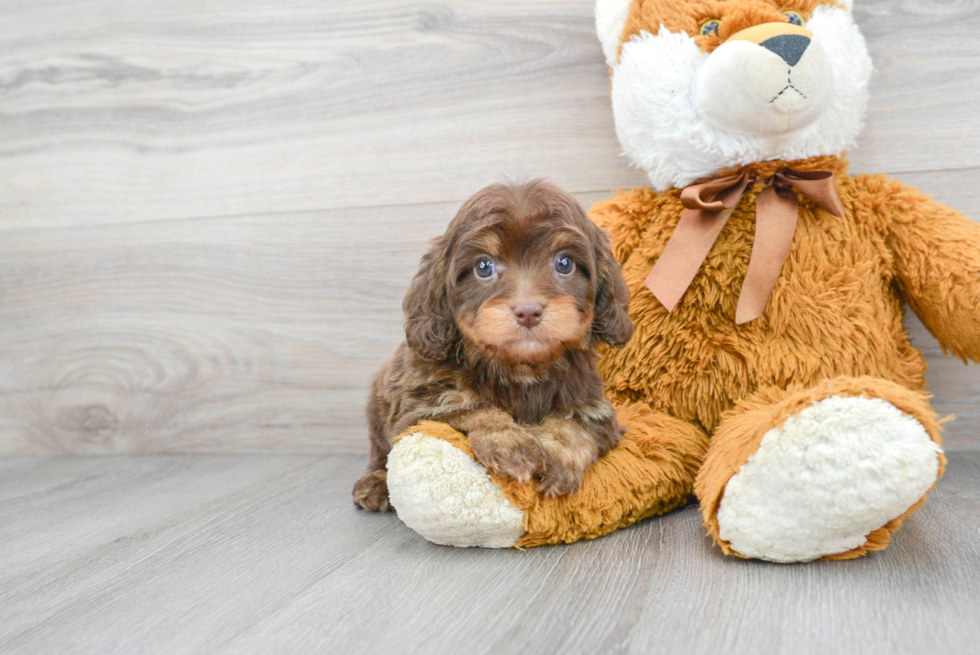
(266, 554)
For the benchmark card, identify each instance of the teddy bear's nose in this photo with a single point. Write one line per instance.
(788, 46)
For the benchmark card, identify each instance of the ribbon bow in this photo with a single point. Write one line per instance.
(707, 208)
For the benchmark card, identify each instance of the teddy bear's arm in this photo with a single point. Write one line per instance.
(937, 261)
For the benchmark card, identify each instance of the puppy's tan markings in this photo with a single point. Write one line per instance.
(565, 323)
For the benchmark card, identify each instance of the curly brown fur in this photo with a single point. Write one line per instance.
(502, 321)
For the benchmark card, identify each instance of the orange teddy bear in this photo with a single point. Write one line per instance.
(769, 371)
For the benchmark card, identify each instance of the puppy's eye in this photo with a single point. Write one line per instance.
(485, 269)
(710, 27)
(794, 17)
(564, 265)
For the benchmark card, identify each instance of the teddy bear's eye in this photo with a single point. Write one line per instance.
(794, 17)
(710, 27)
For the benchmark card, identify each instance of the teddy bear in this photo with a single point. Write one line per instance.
(769, 375)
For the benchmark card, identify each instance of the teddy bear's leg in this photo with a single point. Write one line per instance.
(826, 472)
(440, 491)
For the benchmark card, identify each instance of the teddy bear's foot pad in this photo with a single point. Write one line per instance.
(830, 475)
(447, 497)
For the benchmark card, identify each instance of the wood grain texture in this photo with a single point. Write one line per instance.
(121, 110)
(209, 212)
(144, 110)
(266, 554)
(236, 334)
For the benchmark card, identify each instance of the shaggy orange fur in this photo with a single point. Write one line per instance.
(836, 311)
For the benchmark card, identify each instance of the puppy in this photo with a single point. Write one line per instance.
(502, 321)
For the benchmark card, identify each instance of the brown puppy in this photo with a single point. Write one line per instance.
(502, 322)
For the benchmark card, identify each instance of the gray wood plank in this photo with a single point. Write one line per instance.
(120, 111)
(187, 575)
(159, 292)
(246, 333)
(203, 335)
(917, 118)
(284, 563)
(658, 587)
(142, 111)
(53, 508)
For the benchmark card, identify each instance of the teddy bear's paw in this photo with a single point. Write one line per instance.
(823, 481)
(447, 497)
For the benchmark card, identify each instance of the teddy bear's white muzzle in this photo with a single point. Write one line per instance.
(770, 88)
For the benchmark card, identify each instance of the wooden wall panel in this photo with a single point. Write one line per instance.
(209, 211)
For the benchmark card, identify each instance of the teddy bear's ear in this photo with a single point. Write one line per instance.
(610, 19)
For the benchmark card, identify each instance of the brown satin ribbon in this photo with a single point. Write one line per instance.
(707, 208)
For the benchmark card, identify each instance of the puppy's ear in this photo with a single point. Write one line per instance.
(430, 328)
(612, 322)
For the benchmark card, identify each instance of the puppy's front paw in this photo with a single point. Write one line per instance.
(508, 453)
(569, 450)
(371, 492)
(559, 480)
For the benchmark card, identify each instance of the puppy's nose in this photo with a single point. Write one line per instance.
(529, 314)
(788, 46)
